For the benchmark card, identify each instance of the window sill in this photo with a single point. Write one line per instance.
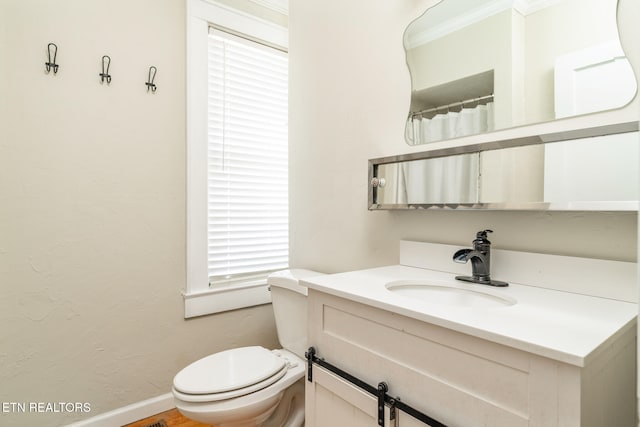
(224, 299)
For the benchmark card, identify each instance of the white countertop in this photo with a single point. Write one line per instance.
(564, 326)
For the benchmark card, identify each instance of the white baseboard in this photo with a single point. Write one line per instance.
(130, 413)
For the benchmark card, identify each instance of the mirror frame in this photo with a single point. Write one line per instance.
(517, 141)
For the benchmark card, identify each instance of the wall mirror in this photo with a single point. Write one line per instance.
(566, 171)
(484, 65)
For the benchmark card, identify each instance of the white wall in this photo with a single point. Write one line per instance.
(92, 210)
(349, 96)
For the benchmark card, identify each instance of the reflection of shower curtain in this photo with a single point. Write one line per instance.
(450, 180)
(468, 121)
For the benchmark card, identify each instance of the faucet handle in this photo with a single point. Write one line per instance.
(481, 238)
(482, 234)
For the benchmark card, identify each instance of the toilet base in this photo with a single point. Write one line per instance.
(279, 406)
(254, 416)
(290, 411)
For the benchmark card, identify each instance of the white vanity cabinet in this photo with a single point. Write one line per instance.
(332, 401)
(458, 378)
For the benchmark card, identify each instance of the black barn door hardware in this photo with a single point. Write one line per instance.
(381, 391)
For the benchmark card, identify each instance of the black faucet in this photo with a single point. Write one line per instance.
(480, 257)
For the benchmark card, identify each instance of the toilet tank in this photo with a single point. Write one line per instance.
(289, 299)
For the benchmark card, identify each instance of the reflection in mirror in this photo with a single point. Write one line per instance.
(480, 65)
(441, 180)
(598, 173)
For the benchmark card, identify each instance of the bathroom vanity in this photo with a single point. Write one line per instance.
(557, 347)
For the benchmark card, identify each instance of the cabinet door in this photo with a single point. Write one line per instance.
(332, 401)
(405, 420)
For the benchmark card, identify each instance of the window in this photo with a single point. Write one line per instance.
(247, 160)
(237, 195)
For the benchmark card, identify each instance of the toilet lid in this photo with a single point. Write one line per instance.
(229, 370)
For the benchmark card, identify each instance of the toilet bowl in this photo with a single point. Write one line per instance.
(253, 386)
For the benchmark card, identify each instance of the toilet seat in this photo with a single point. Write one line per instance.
(228, 374)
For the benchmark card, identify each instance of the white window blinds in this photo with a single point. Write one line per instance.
(247, 160)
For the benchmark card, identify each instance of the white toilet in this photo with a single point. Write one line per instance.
(253, 386)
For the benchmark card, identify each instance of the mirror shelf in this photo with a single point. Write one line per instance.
(595, 206)
(584, 206)
(522, 172)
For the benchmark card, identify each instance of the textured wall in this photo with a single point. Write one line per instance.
(92, 210)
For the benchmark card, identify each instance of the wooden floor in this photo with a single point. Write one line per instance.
(173, 418)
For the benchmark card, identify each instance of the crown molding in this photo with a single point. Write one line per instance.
(527, 7)
(426, 32)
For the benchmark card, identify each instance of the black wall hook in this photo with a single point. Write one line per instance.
(51, 64)
(104, 75)
(152, 76)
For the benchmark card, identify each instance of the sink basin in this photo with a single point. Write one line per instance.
(449, 294)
